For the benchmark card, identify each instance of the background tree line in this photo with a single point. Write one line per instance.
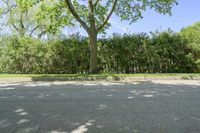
(157, 52)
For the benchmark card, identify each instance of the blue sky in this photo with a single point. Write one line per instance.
(185, 13)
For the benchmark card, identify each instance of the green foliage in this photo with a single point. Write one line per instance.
(23, 17)
(173, 52)
(28, 55)
(18, 15)
(130, 10)
(164, 52)
(54, 15)
(21, 55)
(192, 35)
(67, 56)
(160, 52)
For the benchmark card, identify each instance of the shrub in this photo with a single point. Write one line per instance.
(160, 52)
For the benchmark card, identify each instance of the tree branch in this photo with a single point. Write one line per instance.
(75, 14)
(21, 22)
(41, 34)
(96, 2)
(9, 7)
(109, 15)
(15, 27)
(91, 16)
(33, 30)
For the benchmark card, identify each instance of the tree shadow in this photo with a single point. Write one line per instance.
(74, 77)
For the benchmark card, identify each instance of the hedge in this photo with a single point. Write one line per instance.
(163, 52)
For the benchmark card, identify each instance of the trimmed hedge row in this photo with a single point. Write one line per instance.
(165, 52)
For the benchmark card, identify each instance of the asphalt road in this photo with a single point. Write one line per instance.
(89, 107)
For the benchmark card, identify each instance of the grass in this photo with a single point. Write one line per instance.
(94, 75)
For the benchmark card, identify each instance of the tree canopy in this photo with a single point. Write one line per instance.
(192, 34)
(100, 11)
(23, 17)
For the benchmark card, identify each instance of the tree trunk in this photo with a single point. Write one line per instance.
(93, 53)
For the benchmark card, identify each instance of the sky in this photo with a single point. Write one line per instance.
(185, 13)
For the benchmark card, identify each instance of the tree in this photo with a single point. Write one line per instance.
(192, 35)
(21, 17)
(94, 16)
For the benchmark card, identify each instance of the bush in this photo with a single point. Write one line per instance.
(21, 55)
(164, 52)
(28, 55)
(160, 52)
(67, 56)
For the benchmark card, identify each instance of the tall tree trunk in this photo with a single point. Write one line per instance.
(92, 32)
(93, 53)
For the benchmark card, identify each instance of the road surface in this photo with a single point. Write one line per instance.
(100, 107)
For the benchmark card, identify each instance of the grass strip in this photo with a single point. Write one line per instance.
(95, 75)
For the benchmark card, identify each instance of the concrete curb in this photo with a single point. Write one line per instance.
(136, 78)
(15, 80)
